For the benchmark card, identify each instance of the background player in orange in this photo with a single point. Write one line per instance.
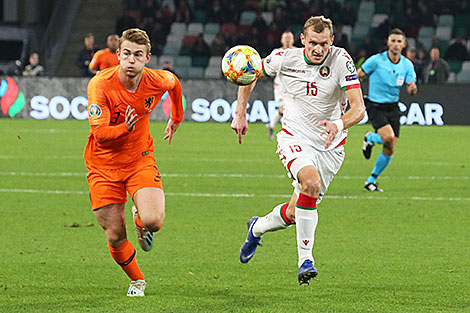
(119, 152)
(107, 57)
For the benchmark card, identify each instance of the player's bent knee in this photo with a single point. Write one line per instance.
(115, 238)
(310, 186)
(154, 222)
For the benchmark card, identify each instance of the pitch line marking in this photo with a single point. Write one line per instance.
(233, 175)
(80, 157)
(242, 195)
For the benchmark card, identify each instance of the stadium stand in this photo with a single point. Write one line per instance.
(174, 26)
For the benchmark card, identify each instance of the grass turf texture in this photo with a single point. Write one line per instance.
(404, 250)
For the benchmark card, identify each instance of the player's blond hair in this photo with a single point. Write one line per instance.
(319, 23)
(137, 36)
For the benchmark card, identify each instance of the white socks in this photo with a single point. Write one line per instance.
(306, 217)
(275, 120)
(306, 221)
(271, 222)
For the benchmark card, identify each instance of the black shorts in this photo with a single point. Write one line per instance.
(381, 114)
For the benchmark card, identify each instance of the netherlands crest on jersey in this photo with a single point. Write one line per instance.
(324, 71)
(94, 111)
(149, 101)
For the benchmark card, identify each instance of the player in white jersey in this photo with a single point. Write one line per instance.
(287, 42)
(317, 81)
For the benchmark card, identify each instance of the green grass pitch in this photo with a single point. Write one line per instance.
(404, 250)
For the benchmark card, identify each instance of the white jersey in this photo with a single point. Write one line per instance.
(312, 93)
(277, 82)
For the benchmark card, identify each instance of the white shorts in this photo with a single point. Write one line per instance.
(296, 154)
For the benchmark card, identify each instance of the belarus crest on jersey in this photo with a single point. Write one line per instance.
(324, 71)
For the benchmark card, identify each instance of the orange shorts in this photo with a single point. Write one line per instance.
(109, 186)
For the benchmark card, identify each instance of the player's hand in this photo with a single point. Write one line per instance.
(131, 118)
(170, 130)
(412, 88)
(240, 126)
(331, 130)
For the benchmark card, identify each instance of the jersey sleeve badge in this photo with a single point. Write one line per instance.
(94, 110)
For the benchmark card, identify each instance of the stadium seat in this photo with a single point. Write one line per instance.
(367, 6)
(215, 61)
(185, 50)
(195, 72)
(175, 39)
(199, 16)
(268, 17)
(194, 29)
(452, 78)
(251, 4)
(183, 61)
(455, 66)
(228, 28)
(460, 31)
(383, 7)
(189, 40)
(463, 77)
(443, 46)
(425, 36)
(213, 72)
(426, 31)
(466, 66)
(211, 28)
(245, 29)
(247, 17)
(366, 11)
(360, 30)
(165, 58)
(446, 20)
(410, 42)
(209, 38)
(178, 28)
(200, 61)
(181, 71)
(171, 49)
(378, 19)
(153, 63)
(348, 30)
(443, 32)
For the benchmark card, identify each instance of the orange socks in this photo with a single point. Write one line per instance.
(124, 255)
(138, 222)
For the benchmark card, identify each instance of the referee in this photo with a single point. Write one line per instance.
(388, 71)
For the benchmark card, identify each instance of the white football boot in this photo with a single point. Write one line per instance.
(136, 288)
(144, 236)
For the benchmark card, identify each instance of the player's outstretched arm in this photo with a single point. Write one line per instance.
(353, 116)
(177, 110)
(170, 130)
(239, 123)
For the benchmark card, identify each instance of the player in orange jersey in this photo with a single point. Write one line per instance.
(105, 58)
(119, 152)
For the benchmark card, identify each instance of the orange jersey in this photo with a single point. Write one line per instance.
(110, 144)
(103, 59)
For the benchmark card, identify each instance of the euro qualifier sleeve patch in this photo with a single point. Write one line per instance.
(95, 110)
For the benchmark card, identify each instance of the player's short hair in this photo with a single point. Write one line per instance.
(137, 36)
(112, 35)
(319, 23)
(88, 35)
(397, 31)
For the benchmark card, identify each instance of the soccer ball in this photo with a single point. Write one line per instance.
(241, 65)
